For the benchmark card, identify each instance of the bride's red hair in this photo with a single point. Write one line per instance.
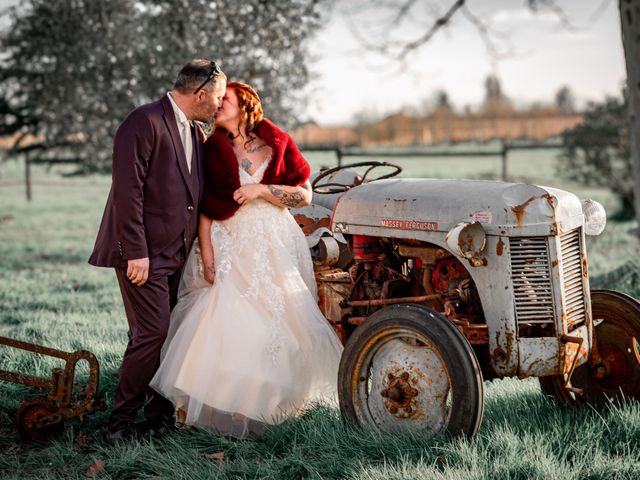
(249, 104)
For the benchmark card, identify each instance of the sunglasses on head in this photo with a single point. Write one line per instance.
(215, 71)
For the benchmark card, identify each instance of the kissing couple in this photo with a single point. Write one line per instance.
(224, 329)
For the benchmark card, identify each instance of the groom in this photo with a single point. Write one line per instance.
(149, 224)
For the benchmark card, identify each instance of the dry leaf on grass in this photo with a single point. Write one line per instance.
(96, 468)
(218, 456)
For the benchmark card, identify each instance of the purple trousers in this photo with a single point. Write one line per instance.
(148, 309)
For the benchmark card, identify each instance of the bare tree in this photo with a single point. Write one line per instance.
(71, 70)
(630, 25)
(397, 28)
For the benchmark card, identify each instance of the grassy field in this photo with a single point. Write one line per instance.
(50, 295)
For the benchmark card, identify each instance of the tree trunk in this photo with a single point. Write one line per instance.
(630, 25)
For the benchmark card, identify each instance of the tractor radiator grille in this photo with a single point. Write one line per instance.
(572, 274)
(531, 280)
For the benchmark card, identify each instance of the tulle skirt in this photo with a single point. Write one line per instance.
(253, 349)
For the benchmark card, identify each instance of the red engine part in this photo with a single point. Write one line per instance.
(366, 248)
(447, 274)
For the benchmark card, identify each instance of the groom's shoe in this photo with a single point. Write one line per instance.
(158, 427)
(121, 435)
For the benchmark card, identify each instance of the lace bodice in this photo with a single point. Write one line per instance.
(258, 235)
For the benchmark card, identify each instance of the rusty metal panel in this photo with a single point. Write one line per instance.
(571, 348)
(543, 356)
(539, 356)
(333, 288)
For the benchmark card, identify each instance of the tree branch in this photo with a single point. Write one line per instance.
(403, 10)
(440, 22)
(486, 35)
(552, 6)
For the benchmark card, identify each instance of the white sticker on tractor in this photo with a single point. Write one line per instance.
(482, 217)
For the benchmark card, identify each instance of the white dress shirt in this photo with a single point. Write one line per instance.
(184, 127)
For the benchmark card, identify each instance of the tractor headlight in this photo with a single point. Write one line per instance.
(595, 217)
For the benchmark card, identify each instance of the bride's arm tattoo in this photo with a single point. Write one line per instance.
(211, 269)
(289, 199)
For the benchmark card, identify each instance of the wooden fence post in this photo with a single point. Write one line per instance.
(503, 153)
(27, 174)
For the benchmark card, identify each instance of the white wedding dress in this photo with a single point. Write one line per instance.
(253, 349)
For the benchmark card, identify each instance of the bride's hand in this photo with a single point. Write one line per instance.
(210, 272)
(248, 193)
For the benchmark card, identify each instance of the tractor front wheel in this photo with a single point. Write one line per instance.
(409, 368)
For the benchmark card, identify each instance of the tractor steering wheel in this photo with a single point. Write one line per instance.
(334, 187)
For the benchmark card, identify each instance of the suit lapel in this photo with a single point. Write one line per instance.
(172, 126)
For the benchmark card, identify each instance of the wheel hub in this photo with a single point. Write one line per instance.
(399, 395)
(409, 387)
(613, 370)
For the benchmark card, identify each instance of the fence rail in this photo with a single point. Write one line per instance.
(502, 152)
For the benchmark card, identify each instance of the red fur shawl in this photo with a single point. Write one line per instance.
(222, 175)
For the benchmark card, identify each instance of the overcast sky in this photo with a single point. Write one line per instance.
(588, 58)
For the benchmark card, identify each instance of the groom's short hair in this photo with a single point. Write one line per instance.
(194, 73)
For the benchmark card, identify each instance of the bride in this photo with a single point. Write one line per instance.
(248, 346)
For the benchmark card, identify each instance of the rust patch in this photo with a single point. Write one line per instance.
(309, 224)
(585, 267)
(476, 334)
(519, 210)
(500, 247)
(509, 341)
(555, 263)
(499, 355)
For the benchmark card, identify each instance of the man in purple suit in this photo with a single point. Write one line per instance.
(149, 225)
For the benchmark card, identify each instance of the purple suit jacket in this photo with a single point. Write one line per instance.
(153, 198)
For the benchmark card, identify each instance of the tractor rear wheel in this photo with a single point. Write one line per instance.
(409, 368)
(616, 320)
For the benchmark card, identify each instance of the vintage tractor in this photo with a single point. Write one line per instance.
(434, 285)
